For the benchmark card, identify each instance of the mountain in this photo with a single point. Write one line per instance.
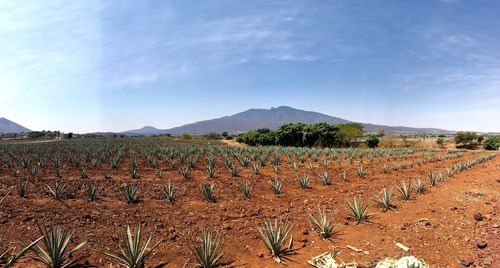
(8, 127)
(147, 130)
(272, 119)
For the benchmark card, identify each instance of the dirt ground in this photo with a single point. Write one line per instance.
(438, 226)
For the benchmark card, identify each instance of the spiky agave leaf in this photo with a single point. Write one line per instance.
(54, 252)
(385, 200)
(274, 237)
(5, 196)
(57, 190)
(134, 255)
(208, 251)
(245, 188)
(358, 209)
(14, 258)
(405, 190)
(323, 223)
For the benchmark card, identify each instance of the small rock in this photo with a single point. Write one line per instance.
(305, 232)
(481, 244)
(478, 216)
(261, 255)
(488, 261)
(466, 261)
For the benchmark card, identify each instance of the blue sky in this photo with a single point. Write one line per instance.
(91, 65)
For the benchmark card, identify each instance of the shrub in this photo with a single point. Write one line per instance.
(440, 141)
(372, 141)
(492, 143)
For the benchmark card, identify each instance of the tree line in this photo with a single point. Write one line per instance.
(300, 135)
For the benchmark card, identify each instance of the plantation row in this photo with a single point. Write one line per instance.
(103, 158)
(131, 192)
(52, 248)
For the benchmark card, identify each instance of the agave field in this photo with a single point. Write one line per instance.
(137, 202)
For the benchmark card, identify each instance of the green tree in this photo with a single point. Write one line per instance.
(290, 134)
(465, 139)
(348, 133)
(36, 134)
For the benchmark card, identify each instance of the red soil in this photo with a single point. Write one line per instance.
(438, 226)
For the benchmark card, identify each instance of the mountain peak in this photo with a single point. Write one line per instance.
(7, 126)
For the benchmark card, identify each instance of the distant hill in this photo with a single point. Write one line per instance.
(147, 130)
(9, 127)
(272, 119)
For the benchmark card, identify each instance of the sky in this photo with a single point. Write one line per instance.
(87, 66)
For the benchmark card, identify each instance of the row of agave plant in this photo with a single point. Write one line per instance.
(52, 248)
(31, 159)
(131, 192)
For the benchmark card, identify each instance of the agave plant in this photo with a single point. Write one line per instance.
(275, 186)
(323, 223)
(234, 170)
(185, 170)
(207, 251)
(432, 178)
(57, 190)
(419, 186)
(345, 177)
(208, 192)
(385, 200)
(22, 187)
(384, 169)
(8, 262)
(169, 192)
(134, 255)
(91, 192)
(358, 209)
(54, 251)
(405, 190)
(245, 189)
(361, 172)
(304, 181)
(159, 173)
(275, 236)
(211, 170)
(131, 193)
(325, 178)
(256, 168)
(83, 174)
